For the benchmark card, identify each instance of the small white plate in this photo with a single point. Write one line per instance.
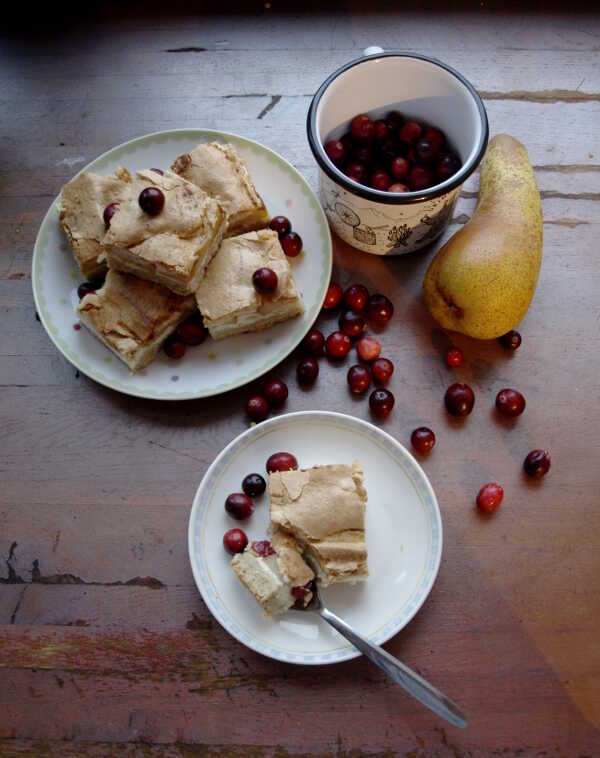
(403, 525)
(213, 367)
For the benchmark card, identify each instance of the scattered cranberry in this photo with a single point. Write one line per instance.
(352, 324)
(399, 168)
(362, 128)
(459, 399)
(109, 212)
(410, 132)
(381, 403)
(359, 379)
(301, 592)
(85, 288)
(239, 506)
(379, 310)
(368, 349)
(425, 151)
(436, 137)
(292, 244)
(192, 331)
(235, 541)
(422, 439)
(380, 180)
(333, 296)
(257, 408)
(489, 497)
(281, 225)
(275, 391)
(262, 548)
(537, 463)
(337, 345)
(448, 164)
(510, 403)
(264, 281)
(335, 151)
(382, 370)
(281, 462)
(151, 201)
(420, 178)
(380, 130)
(453, 357)
(362, 153)
(356, 171)
(355, 297)
(398, 187)
(307, 371)
(254, 485)
(313, 343)
(394, 121)
(174, 347)
(511, 340)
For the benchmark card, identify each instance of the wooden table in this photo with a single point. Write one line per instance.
(106, 647)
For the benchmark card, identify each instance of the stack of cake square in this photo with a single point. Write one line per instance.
(196, 249)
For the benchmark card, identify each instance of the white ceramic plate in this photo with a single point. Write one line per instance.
(403, 525)
(213, 367)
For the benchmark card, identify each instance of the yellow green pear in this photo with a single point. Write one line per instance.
(482, 280)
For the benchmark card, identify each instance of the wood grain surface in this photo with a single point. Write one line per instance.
(106, 648)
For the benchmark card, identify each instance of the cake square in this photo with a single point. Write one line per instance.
(323, 508)
(133, 317)
(226, 296)
(82, 205)
(219, 170)
(175, 246)
(275, 573)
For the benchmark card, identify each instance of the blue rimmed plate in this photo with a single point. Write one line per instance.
(213, 367)
(403, 525)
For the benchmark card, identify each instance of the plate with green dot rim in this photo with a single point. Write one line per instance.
(215, 366)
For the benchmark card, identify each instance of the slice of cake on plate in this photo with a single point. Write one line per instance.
(323, 508)
(82, 204)
(219, 170)
(275, 573)
(166, 230)
(226, 296)
(133, 317)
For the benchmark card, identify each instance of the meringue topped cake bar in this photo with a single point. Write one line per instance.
(226, 297)
(172, 247)
(219, 171)
(133, 317)
(323, 508)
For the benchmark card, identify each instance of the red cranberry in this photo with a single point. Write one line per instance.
(292, 244)
(281, 225)
(381, 403)
(158, 171)
(420, 178)
(453, 357)
(85, 288)
(174, 347)
(281, 462)
(398, 187)
(382, 370)
(410, 132)
(239, 506)
(359, 379)
(264, 281)
(192, 331)
(459, 399)
(379, 310)
(333, 296)
(235, 541)
(394, 121)
(109, 212)
(262, 548)
(257, 408)
(337, 345)
(425, 151)
(313, 343)
(275, 391)
(511, 340)
(448, 164)
(399, 167)
(151, 201)
(422, 439)
(436, 137)
(355, 297)
(254, 485)
(362, 153)
(489, 497)
(301, 592)
(388, 148)
(368, 349)
(347, 142)
(307, 371)
(362, 128)
(356, 171)
(352, 324)
(411, 156)
(537, 463)
(510, 403)
(380, 180)
(380, 129)
(335, 151)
